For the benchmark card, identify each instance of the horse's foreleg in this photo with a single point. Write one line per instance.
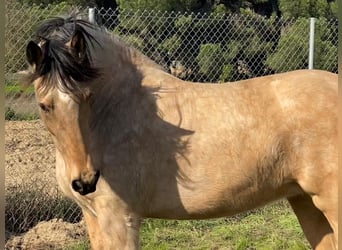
(113, 231)
(118, 229)
(313, 222)
(94, 231)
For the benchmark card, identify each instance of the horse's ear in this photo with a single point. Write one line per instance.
(78, 45)
(34, 55)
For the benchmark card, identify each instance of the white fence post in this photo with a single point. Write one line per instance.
(312, 42)
(91, 15)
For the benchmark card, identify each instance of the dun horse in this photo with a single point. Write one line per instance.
(133, 141)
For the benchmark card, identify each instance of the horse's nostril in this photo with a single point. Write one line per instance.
(77, 186)
(86, 185)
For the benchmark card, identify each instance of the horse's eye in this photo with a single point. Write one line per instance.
(45, 108)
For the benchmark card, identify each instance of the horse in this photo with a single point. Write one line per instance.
(134, 142)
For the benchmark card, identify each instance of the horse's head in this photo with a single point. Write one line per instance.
(61, 71)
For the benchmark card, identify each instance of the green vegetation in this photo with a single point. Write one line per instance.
(208, 57)
(286, 8)
(293, 49)
(14, 90)
(82, 245)
(210, 40)
(221, 46)
(308, 8)
(272, 227)
(12, 115)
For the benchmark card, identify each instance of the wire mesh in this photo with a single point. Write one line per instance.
(223, 47)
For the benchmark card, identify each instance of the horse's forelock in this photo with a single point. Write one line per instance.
(61, 68)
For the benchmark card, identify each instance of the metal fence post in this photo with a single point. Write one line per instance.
(91, 15)
(312, 42)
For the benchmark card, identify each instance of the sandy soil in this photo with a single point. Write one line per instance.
(53, 234)
(30, 154)
(30, 162)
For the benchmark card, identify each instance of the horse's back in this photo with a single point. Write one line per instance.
(306, 84)
(308, 101)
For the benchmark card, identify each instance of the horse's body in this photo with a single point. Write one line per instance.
(147, 144)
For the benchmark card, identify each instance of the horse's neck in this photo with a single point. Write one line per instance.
(119, 97)
(142, 61)
(127, 87)
(131, 55)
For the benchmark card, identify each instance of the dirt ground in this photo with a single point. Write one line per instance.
(29, 160)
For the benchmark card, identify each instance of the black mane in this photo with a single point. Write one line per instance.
(62, 65)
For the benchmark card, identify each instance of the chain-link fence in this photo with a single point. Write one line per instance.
(196, 47)
(199, 47)
(224, 47)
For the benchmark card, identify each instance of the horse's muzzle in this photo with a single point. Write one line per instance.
(86, 184)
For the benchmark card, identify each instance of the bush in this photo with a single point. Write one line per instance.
(227, 73)
(12, 115)
(171, 45)
(210, 60)
(293, 48)
(326, 51)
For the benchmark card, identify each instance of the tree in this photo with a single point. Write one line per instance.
(293, 49)
(44, 3)
(170, 5)
(261, 7)
(85, 3)
(326, 52)
(308, 8)
(209, 57)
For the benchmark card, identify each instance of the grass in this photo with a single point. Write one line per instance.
(269, 228)
(82, 245)
(16, 90)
